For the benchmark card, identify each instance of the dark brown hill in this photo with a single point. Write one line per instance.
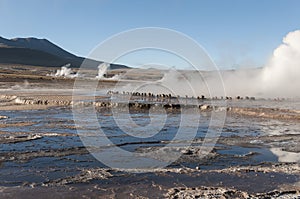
(40, 52)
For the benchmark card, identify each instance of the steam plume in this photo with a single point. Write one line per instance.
(281, 77)
(65, 71)
(102, 70)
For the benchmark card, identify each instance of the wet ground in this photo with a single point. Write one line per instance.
(42, 154)
(45, 154)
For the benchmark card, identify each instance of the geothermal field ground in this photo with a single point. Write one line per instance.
(233, 146)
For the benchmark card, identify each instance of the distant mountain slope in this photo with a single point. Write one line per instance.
(36, 44)
(26, 56)
(40, 52)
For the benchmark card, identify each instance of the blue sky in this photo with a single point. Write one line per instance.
(235, 33)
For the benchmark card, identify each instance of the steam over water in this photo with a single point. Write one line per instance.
(41, 148)
(278, 78)
(281, 75)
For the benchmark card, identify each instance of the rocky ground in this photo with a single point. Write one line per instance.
(33, 90)
(266, 181)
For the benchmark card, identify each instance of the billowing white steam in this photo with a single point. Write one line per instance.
(65, 71)
(213, 83)
(281, 76)
(102, 70)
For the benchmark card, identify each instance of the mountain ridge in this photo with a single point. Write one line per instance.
(36, 44)
(41, 52)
